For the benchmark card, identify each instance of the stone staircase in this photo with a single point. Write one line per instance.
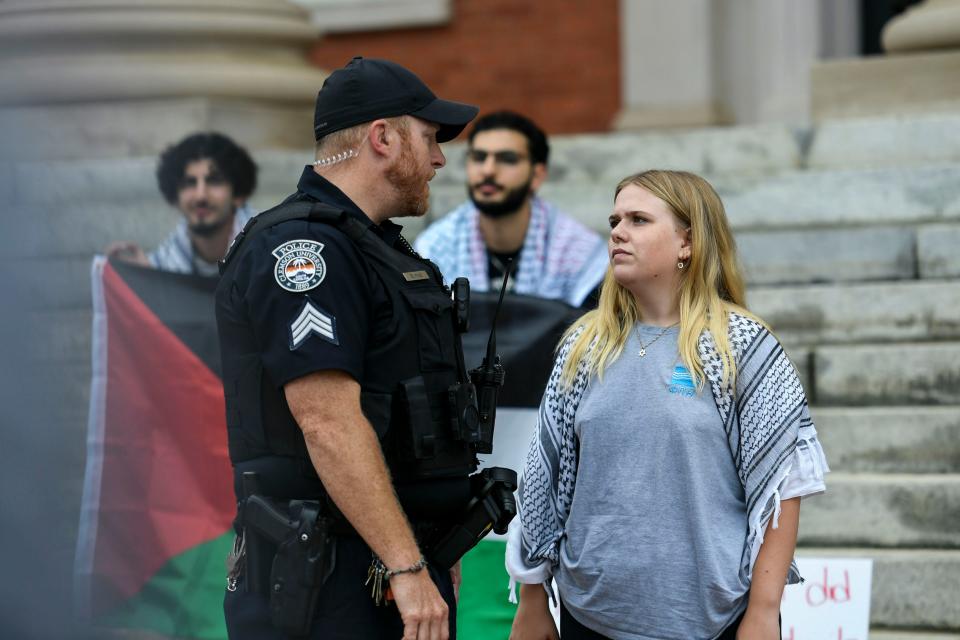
(848, 234)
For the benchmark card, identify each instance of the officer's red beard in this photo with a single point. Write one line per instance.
(410, 181)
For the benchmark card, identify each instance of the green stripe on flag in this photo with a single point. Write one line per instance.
(484, 611)
(184, 599)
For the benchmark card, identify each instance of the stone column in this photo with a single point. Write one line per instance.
(108, 77)
(700, 62)
(918, 74)
(763, 56)
(928, 26)
(666, 85)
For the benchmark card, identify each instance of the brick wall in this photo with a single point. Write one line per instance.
(557, 61)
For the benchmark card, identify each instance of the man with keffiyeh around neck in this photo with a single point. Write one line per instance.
(207, 178)
(555, 256)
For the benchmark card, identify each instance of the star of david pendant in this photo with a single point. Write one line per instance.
(642, 352)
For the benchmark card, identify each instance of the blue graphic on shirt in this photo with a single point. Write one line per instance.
(681, 382)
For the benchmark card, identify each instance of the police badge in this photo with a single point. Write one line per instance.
(299, 265)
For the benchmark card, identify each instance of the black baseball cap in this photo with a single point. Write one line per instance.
(368, 88)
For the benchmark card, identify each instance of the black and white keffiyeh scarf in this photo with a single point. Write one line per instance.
(561, 258)
(176, 254)
(766, 419)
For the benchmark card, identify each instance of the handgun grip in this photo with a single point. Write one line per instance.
(267, 520)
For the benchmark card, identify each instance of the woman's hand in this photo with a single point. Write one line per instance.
(533, 620)
(759, 625)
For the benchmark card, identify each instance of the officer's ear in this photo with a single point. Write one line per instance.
(381, 137)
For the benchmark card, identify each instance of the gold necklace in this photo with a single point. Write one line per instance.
(643, 347)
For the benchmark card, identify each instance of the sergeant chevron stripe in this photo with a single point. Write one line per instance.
(312, 320)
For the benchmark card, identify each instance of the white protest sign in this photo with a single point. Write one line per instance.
(833, 603)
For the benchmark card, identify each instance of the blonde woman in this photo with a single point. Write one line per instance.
(662, 487)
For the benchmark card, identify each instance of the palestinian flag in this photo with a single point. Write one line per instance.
(158, 500)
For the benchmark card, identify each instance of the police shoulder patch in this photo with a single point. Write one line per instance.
(299, 265)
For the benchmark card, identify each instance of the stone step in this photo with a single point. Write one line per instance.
(890, 439)
(756, 149)
(607, 157)
(844, 197)
(760, 149)
(884, 510)
(937, 253)
(769, 257)
(133, 210)
(793, 200)
(913, 589)
(887, 374)
(601, 158)
(751, 150)
(828, 255)
(885, 141)
(859, 312)
(754, 197)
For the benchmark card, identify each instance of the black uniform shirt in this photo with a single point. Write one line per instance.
(311, 299)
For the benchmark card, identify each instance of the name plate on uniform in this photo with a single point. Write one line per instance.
(410, 276)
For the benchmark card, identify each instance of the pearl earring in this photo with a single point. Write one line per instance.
(679, 265)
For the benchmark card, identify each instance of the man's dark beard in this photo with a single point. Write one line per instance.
(208, 229)
(512, 201)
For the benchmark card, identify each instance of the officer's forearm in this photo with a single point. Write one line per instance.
(348, 459)
(346, 454)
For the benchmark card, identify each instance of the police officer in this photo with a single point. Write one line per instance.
(342, 368)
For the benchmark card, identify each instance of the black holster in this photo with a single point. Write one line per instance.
(302, 561)
(299, 570)
(492, 507)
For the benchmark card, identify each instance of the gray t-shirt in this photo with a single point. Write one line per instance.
(658, 522)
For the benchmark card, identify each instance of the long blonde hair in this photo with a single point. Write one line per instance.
(711, 285)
